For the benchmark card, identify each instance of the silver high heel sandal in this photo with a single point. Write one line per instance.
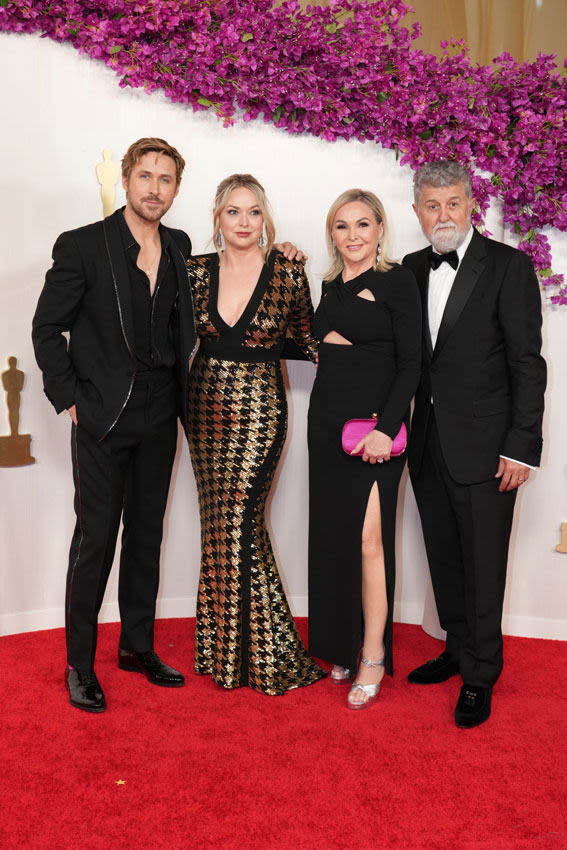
(370, 691)
(340, 675)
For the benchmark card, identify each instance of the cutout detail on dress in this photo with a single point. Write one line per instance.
(335, 338)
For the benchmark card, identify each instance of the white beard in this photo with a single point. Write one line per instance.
(447, 237)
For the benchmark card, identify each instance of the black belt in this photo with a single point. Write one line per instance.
(161, 376)
(222, 351)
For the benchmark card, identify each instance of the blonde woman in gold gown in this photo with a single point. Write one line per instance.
(247, 298)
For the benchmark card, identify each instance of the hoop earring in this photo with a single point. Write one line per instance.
(219, 241)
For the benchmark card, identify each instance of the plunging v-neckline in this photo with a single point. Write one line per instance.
(251, 305)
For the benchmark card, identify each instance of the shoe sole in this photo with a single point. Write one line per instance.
(131, 669)
(471, 725)
(87, 708)
(362, 705)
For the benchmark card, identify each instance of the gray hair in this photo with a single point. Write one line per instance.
(444, 172)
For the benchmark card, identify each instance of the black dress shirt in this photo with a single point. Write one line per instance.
(151, 313)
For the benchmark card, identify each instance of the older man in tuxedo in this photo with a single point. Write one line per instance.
(476, 427)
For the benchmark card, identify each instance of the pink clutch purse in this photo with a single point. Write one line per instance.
(355, 429)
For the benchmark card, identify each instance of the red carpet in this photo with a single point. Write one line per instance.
(199, 767)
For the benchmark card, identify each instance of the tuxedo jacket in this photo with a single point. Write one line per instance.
(486, 375)
(87, 293)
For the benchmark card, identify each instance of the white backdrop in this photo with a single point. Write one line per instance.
(59, 111)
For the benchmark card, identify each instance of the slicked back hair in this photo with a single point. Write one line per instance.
(151, 145)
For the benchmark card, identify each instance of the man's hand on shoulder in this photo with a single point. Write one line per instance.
(512, 474)
(290, 252)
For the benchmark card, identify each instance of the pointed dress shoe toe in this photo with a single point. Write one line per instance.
(437, 670)
(151, 666)
(473, 706)
(84, 689)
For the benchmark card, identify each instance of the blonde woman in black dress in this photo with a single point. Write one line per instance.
(247, 298)
(369, 327)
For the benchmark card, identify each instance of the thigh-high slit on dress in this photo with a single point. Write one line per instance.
(237, 419)
(377, 373)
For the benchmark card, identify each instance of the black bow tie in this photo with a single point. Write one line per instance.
(452, 258)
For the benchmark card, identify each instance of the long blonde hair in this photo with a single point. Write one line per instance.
(243, 181)
(371, 200)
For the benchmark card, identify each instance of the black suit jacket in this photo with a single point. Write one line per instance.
(87, 292)
(486, 375)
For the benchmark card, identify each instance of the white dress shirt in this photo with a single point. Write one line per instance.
(440, 284)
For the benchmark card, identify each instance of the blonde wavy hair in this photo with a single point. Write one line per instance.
(371, 200)
(243, 181)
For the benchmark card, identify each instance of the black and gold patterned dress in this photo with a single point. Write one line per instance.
(237, 419)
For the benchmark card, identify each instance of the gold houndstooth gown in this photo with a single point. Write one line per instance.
(237, 419)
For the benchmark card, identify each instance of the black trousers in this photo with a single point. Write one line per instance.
(466, 529)
(127, 474)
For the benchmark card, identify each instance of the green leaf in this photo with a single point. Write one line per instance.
(204, 101)
(72, 32)
(4, 3)
(545, 273)
(491, 151)
(426, 134)
(116, 48)
(331, 28)
(382, 96)
(530, 234)
(247, 36)
(348, 120)
(277, 114)
(517, 228)
(496, 180)
(389, 67)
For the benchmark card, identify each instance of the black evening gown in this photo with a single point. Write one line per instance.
(237, 419)
(378, 373)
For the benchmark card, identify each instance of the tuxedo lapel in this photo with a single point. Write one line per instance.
(468, 273)
(120, 277)
(185, 302)
(422, 277)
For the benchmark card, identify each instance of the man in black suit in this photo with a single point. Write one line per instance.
(120, 288)
(476, 427)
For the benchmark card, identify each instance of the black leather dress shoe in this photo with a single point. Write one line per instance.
(84, 689)
(151, 666)
(473, 706)
(437, 670)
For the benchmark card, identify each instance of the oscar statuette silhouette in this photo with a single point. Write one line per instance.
(15, 448)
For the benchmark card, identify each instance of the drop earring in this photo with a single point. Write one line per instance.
(219, 241)
(262, 240)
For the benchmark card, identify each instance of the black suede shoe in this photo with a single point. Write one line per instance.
(84, 689)
(151, 666)
(473, 706)
(437, 670)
